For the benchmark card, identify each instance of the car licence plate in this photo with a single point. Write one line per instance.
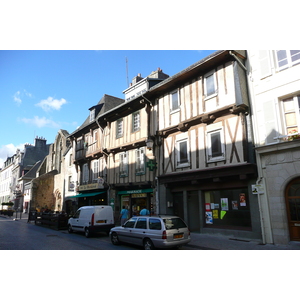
(101, 221)
(178, 235)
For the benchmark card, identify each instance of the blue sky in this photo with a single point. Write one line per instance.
(44, 91)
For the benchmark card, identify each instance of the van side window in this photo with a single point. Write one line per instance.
(141, 223)
(154, 224)
(130, 223)
(77, 214)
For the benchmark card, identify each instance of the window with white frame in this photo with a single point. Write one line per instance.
(174, 101)
(95, 170)
(287, 58)
(136, 121)
(119, 128)
(92, 115)
(140, 161)
(85, 174)
(215, 145)
(291, 114)
(123, 164)
(182, 153)
(210, 86)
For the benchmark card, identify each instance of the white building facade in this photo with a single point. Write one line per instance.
(274, 86)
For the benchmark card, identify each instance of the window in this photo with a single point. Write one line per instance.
(136, 121)
(123, 165)
(140, 161)
(174, 101)
(290, 109)
(182, 153)
(154, 224)
(287, 58)
(95, 170)
(85, 174)
(92, 115)
(71, 184)
(141, 223)
(130, 223)
(215, 145)
(119, 128)
(210, 84)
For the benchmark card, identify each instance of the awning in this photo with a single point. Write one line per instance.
(86, 195)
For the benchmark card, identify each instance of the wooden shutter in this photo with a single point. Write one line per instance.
(264, 63)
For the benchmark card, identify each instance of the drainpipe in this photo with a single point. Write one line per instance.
(237, 59)
(260, 213)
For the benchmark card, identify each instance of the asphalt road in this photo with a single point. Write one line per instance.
(20, 235)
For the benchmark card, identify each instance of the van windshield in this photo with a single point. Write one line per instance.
(174, 223)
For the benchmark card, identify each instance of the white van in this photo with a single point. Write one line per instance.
(89, 219)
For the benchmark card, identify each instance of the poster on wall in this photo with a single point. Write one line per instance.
(208, 217)
(207, 206)
(224, 203)
(242, 200)
(234, 205)
(215, 214)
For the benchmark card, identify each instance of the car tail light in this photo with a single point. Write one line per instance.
(92, 221)
(164, 235)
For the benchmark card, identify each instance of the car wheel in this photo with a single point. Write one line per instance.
(70, 229)
(114, 239)
(148, 245)
(87, 232)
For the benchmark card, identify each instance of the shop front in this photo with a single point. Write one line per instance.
(213, 204)
(72, 203)
(136, 200)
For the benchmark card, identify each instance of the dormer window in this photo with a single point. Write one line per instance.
(92, 115)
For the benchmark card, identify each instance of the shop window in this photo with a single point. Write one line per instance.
(123, 165)
(227, 208)
(215, 145)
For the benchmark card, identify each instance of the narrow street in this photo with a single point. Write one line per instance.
(20, 235)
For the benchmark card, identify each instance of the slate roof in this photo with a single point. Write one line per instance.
(105, 104)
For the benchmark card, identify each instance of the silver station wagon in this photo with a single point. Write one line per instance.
(152, 232)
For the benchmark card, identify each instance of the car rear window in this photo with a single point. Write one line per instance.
(174, 223)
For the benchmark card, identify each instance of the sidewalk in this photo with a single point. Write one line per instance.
(213, 242)
(216, 242)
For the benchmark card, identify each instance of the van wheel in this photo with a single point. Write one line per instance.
(87, 232)
(148, 245)
(114, 239)
(70, 229)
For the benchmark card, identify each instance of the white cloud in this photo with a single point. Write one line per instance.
(40, 122)
(7, 151)
(17, 98)
(50, 103)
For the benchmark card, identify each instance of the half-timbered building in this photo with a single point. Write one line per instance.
(206, 159)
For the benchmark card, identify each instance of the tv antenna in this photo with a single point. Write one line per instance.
(127, 72)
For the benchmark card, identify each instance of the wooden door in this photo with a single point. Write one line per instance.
(292, 198)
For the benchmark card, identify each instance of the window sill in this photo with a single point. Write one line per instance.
(183, 165)
(174, 111)
(210, 96)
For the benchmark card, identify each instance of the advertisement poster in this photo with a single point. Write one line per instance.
(242, 200)
(215, 214)
(235, 205)
(207, 206)
(208, 217)
(224, 203)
